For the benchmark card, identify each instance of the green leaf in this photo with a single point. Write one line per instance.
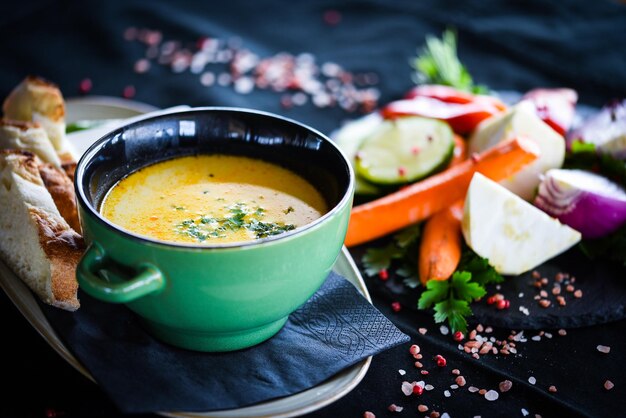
(409, 272)
(482, 272)
(455, 312)
(408, 235)
(579, 146)
(437, 290)
(411, 282)
(612, 247)
(464, 289)
(585, 157)
(438, 63)
(377, 259)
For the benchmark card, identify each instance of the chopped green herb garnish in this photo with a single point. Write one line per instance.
(234, 222)
(289, 210)
(178, 207)
(265, 229)
(210, 227)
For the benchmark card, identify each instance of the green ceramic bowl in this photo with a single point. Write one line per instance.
(222, 297)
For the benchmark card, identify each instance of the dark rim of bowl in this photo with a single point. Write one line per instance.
(93, 149)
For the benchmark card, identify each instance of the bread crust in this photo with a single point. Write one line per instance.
(64, 248)
(61, 188)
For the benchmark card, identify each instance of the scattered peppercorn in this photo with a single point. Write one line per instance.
(441, 361)
(85, 86)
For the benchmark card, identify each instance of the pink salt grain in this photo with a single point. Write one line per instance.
(368, 414)
(505, 386)
(395, 408)
(407, 388)
(492, 395)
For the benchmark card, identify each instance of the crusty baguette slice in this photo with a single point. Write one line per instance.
(28, 136)
(37, 243)
(38, 100)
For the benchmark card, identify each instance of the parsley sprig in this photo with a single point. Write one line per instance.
(451, 298)
(403, 248)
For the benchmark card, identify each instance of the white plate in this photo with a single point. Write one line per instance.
(294, 405)
(101, 107)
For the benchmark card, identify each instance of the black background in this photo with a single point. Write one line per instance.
(513, 45)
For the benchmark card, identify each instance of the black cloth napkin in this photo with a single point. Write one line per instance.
(334, 329)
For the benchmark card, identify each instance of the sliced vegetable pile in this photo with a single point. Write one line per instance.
(452, 171)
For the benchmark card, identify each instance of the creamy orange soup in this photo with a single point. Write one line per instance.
(212, 199)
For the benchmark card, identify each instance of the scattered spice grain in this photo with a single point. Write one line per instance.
(505, 386)
(492, 395)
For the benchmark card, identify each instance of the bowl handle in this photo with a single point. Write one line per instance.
(148, 279)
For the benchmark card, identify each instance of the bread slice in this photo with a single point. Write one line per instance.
(37, 243)
(38, 100)
(28, 136)
(61, 188)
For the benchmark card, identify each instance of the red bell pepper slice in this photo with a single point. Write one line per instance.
(451, 95)
(462, 118)
(556, 107)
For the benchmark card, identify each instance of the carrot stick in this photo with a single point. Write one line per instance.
(440, 249)
(422, 199)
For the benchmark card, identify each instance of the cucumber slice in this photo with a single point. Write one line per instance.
(404, 150)
(366, 188)
(349, 138)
